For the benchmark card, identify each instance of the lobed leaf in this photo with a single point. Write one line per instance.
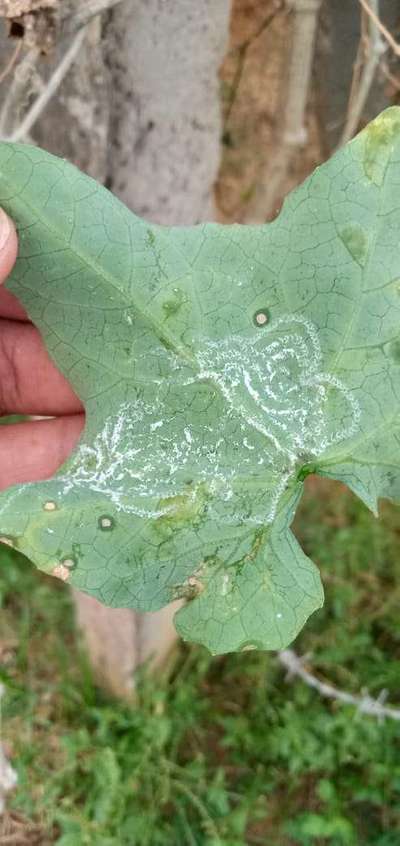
(219, 366)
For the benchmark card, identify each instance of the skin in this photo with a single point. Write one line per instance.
(30, 384)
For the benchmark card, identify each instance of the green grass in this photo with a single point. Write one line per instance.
(228, 753)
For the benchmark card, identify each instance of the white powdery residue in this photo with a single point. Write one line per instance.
(280, 372)
(275, 381)
(247, 383)
(227, 389)
(135, 461)
(277, 493)
(274, 386)
(225, 584)
(120, 463)
(226, 494)
(354, 414)
(247, 445)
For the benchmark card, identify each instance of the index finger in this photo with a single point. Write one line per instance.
(10, 308)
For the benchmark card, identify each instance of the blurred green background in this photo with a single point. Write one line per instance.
(229, 751)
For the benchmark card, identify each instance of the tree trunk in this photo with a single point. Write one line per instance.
(139, 111)
(165, 127)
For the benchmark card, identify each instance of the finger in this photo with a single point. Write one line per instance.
(29, 381)
(9, 305)
(8, 245)
(33, 451)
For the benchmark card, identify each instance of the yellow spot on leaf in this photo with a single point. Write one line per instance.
(380, 136)
(184, 507)
(356, 242)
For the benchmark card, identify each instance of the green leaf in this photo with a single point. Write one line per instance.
(219, 366)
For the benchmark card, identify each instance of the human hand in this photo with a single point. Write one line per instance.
(30, 384)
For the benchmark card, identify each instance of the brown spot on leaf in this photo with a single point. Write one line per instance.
(60, 571)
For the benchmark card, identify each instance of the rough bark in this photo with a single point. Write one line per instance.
(16, 8)
(139, 110)
(165, 128)
(76, 123)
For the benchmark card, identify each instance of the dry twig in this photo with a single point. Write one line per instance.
(364, 703)
(373, 48)
(18, 91)
(394, 80)
(75, 22)
(79, 16)
(53, 84)
(10, 64)
(292, 132)
(305, 23)
(374, 16)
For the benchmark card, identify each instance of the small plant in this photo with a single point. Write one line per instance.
(219, 367)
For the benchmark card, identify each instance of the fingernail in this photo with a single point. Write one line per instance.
(5, 229)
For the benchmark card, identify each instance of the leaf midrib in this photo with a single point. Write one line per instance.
(104, 276)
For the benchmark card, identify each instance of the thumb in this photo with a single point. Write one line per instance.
(8, 245)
